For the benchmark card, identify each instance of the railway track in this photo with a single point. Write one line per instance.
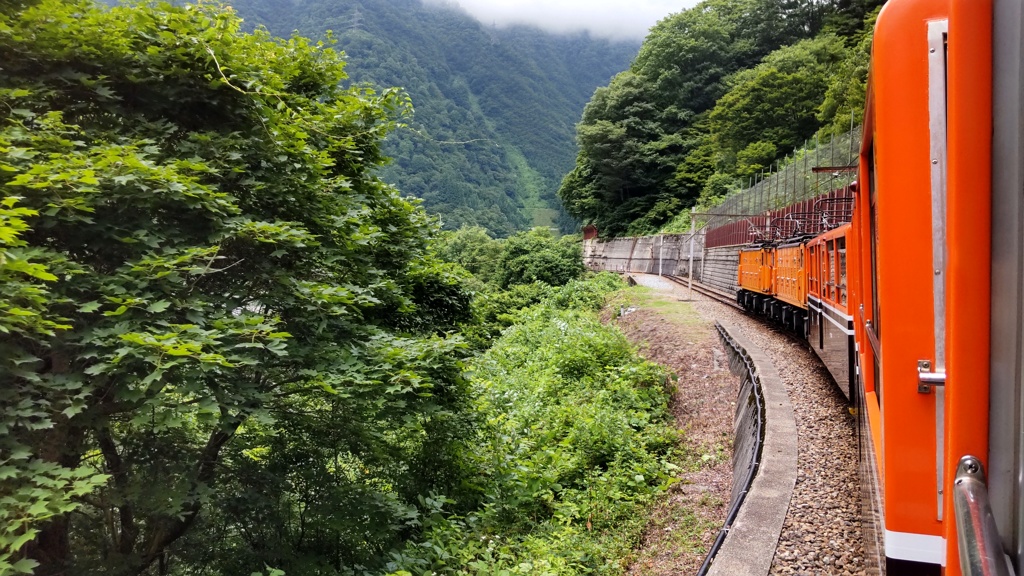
(714, 294)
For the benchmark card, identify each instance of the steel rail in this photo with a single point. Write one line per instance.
(708, 291)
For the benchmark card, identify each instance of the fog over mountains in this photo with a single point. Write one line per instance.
(612, 19)
(495, 107)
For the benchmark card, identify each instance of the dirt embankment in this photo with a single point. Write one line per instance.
(821, 534)
(685, 522)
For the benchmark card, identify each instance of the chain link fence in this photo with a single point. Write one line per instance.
(787, 193)
(806, 193)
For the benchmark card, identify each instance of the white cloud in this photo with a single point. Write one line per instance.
(616, 19)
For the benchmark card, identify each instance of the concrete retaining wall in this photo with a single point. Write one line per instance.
(720, 266)
(751, 541)
(667, 254)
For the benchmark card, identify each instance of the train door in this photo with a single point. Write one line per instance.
(812, 270)
(830, 271)
(813, 267)
(874, 328)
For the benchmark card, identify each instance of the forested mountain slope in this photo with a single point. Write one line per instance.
(495, 108)
(717, 93)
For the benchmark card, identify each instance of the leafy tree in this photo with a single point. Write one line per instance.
(768, 111)
(637, 134)
(848, 17)
(495, 310)
(847, 89)
(199, 260)
(33, 490)
(473, 249)
(338, 480)
(774, 104)
(755, 157)
(537, 256)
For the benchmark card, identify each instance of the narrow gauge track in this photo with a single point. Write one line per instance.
(714, 294)
(822, 531)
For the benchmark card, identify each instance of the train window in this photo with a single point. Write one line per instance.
(841, 250)
(815, 257)
(830, 248)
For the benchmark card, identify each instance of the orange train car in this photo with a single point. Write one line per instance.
(789, 286)
(830, 326)
(924, 293)
(754, 276)
(789, 278)
(772, 282)
(916, 306)
(755, 270)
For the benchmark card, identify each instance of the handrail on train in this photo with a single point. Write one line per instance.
(981, 550)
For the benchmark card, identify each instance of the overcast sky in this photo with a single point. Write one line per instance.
(617, 19)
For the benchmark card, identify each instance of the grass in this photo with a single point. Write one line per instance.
(667, 305)
(679, 524)
(688, 530)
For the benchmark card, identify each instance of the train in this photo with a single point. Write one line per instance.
(911, 290)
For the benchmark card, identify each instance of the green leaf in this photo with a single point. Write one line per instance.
(159, 306)
(120, 310)
(89, 307)
(24, 566)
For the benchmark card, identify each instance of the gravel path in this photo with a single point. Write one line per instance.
(822, 532)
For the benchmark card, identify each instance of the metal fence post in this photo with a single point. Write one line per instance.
(693, 230)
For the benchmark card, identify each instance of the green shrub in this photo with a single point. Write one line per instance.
(574, 441)
(537, 256)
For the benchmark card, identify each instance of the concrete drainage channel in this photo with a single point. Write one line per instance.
(749, 437)
(764, 465)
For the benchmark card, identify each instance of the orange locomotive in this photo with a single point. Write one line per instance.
(801, 282)
(916, 305)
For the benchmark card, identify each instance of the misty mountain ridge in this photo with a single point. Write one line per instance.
(604, 20)
(493, 132)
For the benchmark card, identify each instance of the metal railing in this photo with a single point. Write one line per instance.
(981, 550)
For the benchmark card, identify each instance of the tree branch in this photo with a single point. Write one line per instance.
(170, 528)
(125, 540)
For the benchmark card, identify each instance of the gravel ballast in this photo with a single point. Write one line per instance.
(822, 532)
